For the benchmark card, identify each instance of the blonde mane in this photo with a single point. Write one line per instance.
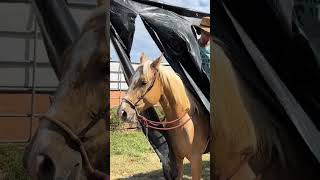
(170, 80)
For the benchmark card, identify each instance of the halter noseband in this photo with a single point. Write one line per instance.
(154, 124)
(91, 172)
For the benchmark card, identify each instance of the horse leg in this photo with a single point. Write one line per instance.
(179, 162)
(196, 166)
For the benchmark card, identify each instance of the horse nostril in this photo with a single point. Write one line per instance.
(45, 167)
(124, 114)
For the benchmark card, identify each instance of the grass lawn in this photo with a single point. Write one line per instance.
(133, 158)
(11, 162)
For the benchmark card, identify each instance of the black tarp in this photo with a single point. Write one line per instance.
(274, 55)
(174, 35)
(178, 42)
(59, 29)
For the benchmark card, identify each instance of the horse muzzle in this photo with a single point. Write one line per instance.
(126, 113)
(49, 157)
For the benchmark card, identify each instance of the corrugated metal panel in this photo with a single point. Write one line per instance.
(17, 44)
(17, 47)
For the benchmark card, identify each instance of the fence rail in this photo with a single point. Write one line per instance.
(30, 34)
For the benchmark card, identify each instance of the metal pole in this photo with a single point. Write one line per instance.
(18, 115)
(33, 78)
(119, 83)
(127, 67)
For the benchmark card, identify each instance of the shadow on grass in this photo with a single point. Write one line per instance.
(159, 175)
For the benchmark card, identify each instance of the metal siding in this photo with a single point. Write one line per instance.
(18, 120)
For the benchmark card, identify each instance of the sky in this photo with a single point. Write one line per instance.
(142, 42)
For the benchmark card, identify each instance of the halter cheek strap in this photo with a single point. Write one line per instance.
(134, 104)
(156, 74)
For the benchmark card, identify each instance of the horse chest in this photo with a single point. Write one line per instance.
(182, 140)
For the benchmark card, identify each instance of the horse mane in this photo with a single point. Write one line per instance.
(172, 81)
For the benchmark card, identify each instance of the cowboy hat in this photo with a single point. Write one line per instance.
(205, 24)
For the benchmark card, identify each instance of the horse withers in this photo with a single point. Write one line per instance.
(186, 122)
(72, 139)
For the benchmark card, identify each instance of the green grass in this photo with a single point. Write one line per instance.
(11, 162)
(115, 121)
(131, 143)
(133, 158)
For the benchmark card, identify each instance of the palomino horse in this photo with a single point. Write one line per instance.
(187, 124)
(72, 139)
(248, 141)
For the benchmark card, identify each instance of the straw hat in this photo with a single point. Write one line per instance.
(205, 24)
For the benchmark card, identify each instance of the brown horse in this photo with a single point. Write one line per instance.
(248, 141)
(189, 130)
(72, 139)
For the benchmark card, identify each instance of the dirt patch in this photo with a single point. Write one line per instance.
(148, 167)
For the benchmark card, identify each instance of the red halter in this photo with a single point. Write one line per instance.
(153, 124)
(156, 125)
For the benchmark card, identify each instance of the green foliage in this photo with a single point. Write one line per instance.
(11, 162)
(115, 121)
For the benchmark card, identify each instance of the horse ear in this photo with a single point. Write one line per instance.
(156, 63)
(142, 58)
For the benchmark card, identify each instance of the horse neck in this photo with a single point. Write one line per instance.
(173, 109)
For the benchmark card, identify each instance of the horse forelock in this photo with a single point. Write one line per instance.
(135, 78)
(146, 70)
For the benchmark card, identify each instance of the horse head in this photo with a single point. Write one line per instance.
(144, 89)
(76, 110)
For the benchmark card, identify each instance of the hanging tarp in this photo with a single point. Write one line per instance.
(180, 47)
(173, 34)
(59, 29)
(273, 54)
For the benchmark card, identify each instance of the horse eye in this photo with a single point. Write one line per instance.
(144, 83)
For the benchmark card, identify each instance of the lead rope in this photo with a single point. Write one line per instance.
(153, 125)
